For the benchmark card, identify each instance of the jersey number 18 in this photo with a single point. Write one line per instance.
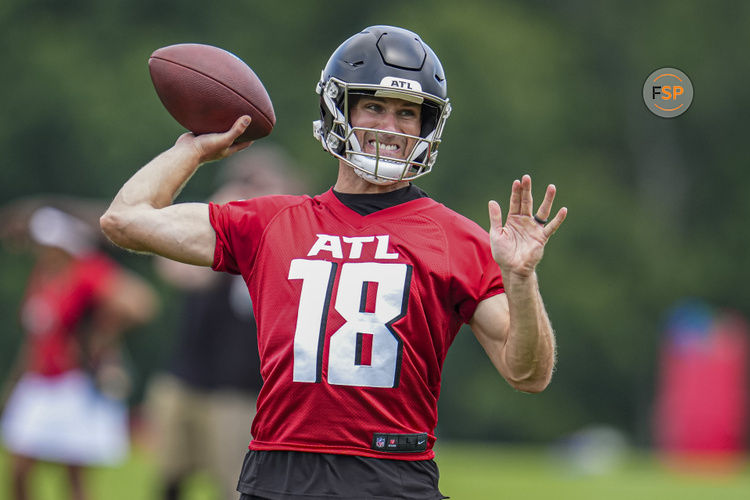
(365, 351)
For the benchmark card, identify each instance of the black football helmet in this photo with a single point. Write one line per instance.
(384, 61)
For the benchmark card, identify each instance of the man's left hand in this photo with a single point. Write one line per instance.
(518, 246)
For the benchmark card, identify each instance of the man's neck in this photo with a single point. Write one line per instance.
(349, 182)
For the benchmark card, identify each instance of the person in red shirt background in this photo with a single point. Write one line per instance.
(67, 404)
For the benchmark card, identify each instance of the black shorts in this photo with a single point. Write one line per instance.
(286, 475)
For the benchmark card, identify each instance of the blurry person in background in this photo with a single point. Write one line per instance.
(701, 398)
(67, 402)
(199, 409)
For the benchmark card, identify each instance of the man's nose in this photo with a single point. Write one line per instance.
(389, 121)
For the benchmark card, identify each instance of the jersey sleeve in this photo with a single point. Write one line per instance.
(239, 227)
(475, 274)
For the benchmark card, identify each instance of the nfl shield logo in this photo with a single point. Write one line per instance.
(380, 442)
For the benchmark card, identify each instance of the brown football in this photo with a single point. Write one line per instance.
(206, 89)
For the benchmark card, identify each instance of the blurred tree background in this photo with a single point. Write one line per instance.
(658, 209)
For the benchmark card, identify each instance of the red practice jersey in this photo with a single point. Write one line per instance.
(355, 316)
(54, 308)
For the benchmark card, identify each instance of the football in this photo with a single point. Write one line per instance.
(206, 89)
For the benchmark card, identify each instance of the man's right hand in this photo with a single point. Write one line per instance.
(212, 147)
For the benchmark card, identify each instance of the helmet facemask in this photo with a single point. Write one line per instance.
(337, 135)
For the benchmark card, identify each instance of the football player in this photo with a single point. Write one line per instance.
(358, 292)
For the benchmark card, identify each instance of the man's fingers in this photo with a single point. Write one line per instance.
(240, 125)
(234, 148)
(242, 122)
(554, 224)
(216, 146)
(527, 202)
(514, 207)
(496, 215)
(545, 209)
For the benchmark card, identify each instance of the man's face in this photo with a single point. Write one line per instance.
(390, 115)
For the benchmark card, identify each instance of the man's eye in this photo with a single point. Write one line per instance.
(374, 107)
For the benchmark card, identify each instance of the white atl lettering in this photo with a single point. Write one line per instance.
(382, 251)
(327, 243)
(333, 244)
(356, 242)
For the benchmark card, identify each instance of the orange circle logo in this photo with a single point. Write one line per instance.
(668, 92)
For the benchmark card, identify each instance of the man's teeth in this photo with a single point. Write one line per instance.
(385, 147)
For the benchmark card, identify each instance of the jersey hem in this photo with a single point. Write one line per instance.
(425, 455)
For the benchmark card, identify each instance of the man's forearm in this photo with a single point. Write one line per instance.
(529, 351)
(160, 181)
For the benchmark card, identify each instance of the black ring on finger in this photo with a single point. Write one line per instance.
(540, 220)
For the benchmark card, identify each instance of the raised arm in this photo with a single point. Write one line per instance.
(142, 217)
(514, 328)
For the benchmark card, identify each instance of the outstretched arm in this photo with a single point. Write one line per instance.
(514, 328)
(142, 217)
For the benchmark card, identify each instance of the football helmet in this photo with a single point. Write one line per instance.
(384, 61)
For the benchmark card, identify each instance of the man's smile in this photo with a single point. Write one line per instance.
(391, 145)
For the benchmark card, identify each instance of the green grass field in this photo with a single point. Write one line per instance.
(472, 472)
(467, 472)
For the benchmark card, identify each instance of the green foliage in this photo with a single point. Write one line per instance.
(658, 208)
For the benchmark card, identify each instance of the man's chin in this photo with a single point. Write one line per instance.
(372, 179)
